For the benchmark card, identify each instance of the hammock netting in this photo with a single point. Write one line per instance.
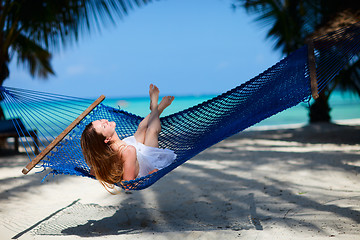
(187, 132)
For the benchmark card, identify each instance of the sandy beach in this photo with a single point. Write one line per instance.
(290, 183)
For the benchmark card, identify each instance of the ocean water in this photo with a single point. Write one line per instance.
(344, 106)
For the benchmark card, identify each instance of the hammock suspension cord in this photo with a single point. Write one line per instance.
(289, 82)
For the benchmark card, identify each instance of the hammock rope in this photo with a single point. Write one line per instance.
(190, 131)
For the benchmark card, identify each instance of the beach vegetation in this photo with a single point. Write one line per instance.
(291, 23)
(32, 30)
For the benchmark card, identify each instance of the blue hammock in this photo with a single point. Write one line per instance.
(190, 131)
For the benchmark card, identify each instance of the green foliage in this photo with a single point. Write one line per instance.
(32, 29)
(292, 22)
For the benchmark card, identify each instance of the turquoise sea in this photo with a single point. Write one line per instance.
(344, 106)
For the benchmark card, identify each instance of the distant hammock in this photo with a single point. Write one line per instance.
(188, 132)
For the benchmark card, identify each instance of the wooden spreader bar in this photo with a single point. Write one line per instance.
(312, 69)
(61, 136)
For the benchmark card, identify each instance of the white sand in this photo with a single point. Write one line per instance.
(296, 183)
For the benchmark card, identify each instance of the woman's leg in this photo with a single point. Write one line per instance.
(153, 129)
(143, 125)
(141, 132)
(154, 125)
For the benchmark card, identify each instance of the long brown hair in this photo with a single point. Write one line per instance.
(101, 158)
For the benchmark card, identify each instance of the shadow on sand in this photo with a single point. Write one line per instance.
(239, 194)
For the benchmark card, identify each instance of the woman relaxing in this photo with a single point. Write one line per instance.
(113, 160)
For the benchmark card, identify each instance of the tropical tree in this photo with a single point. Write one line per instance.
(31, 30)
(292, 22)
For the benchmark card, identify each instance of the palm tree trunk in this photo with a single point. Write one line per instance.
(4, 73)
(320, 109)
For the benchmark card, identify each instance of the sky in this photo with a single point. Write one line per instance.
(185, 47)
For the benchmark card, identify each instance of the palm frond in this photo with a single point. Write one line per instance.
(349, 78)
(57, 23)
(33, 57)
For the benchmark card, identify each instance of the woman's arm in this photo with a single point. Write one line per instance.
(130, 166)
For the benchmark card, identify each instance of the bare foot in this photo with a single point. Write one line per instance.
(154, 96)
(165, 102)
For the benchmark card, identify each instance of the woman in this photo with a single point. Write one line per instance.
(112, 160)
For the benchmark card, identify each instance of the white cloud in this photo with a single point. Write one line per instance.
(222, 65)
(76, 70)
(260, 58)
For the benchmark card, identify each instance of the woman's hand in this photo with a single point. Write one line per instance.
(92, 172)
(155, 170)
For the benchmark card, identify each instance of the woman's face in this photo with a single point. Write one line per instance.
(104, 127)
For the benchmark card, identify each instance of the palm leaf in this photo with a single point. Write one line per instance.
(33, 57)
(53, 24)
